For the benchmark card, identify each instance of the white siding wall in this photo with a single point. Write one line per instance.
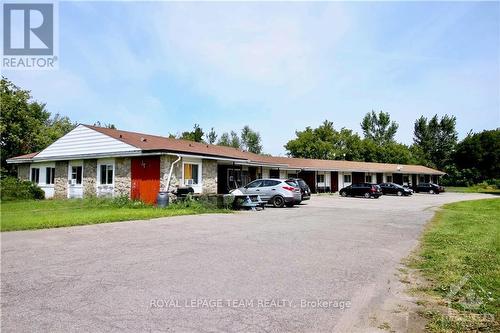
(83, 140)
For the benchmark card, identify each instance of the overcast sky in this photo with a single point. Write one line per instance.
(278, 67)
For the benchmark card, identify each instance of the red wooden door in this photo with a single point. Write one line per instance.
(145, 178)
(335, 181)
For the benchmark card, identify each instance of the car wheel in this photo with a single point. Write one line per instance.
(367, 195)
(278, 201)
(344, 194)
(431, 191)
(399, 193)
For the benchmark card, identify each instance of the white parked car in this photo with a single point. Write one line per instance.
(278, 192)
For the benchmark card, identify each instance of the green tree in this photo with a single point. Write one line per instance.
(105, 125)
(195, 135)
(211, 136)
(325, 142)
(224, 140)
(379, 128)
(235, 141)
(25, 125)
(435, 140)
(477, 157)
(251, 140)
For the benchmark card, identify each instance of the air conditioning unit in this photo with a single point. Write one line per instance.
(189, 182)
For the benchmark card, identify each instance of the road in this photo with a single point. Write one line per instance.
(245, 272)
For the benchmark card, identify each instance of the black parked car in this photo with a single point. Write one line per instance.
(304, 188)
(393, 188)
(429, 188)
(362, 189)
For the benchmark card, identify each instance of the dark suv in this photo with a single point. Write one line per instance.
(304, 188)
(429, 188)
(392, 188)
(362, 189)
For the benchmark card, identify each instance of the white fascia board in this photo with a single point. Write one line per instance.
(206, 157)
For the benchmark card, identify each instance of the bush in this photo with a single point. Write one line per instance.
(14, 189)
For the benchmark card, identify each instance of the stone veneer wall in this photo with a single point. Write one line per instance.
(209, 176)
(165, 163)
(23, 171)
(89, 177)
(61, 180)
(123, 177)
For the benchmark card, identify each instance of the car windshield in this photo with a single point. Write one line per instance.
(292, 183)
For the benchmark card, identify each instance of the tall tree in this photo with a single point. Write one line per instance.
(235, 140)
(477, 157)
(195, 135)
(211, 136)
(25, 125)
(325, 142)
(379, 128)
(105, 125)
(224, 140)
(251, 140)
(435, 140)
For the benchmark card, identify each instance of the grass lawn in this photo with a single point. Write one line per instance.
(462, 246)
(474, 189)
(21, 215)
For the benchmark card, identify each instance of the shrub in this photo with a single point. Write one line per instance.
(14, 189)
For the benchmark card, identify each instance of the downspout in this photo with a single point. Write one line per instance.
(171, 170)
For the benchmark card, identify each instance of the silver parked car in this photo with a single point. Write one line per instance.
(278, 192)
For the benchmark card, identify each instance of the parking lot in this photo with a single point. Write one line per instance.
(323, 266)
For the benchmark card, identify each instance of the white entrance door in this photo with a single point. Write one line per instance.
(75, 180)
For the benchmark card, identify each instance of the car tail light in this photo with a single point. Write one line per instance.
(289, 188)
(374, 189)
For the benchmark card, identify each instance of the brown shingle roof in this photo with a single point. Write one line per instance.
(147, 142)
(25, 157)
(153, 142)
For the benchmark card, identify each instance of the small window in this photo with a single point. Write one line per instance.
(76, 174)
(256, 183)
(347, 178)
(406, 179)
(106, 174)
(389, 179)
(422, 179)
(368, 178)
(50, 174)
(35, 175)
(292, 175)
(320, 178)
(191, 174)
(269, 182)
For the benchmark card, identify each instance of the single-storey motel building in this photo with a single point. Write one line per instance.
(96, 161)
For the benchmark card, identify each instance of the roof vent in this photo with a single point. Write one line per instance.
(190, 145)
(121, 136)
(143, 139)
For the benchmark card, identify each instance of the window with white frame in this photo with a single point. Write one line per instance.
(320, 178)
(389, 178)
(347, 178)
(50, 174)
(35, 175)
(368, 178)
(76, 174)
(191, 172)
(106, 174)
